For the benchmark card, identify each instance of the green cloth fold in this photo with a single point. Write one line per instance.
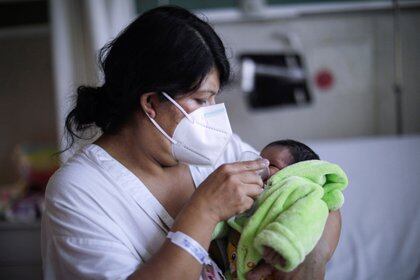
(290, 214)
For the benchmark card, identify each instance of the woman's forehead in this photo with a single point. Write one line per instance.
(211, 83)
(209, 86)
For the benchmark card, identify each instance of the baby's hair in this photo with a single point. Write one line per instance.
(298, 150)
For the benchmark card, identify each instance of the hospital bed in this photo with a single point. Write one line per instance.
(380, 236)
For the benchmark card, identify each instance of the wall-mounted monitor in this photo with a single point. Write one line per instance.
(274, 79)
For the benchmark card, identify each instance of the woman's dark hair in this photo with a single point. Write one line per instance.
(165, 49)
(299, 151)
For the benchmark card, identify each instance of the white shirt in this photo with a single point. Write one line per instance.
(101, 221)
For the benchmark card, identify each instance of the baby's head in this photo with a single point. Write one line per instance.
(286, 152)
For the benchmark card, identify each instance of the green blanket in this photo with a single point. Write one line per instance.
(290, 215)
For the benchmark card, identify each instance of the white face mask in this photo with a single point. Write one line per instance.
(202, 136)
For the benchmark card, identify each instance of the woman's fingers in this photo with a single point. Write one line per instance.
(251, 177)
(252, 190)
(231, 189)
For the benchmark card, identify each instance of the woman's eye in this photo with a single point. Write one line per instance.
(201, 101)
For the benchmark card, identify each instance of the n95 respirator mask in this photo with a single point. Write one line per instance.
(201, 137)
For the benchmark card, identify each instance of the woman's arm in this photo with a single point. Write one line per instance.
(226, 192)
(172, 262)
(331, 235)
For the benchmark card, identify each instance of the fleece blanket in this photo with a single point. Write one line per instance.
(290, 215)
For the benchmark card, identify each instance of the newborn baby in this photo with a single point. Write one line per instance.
(286, 152)
(280, 154)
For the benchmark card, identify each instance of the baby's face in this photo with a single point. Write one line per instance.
(279, 157)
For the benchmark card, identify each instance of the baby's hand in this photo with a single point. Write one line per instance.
(266, 268)
(272, 257)
(260, 272)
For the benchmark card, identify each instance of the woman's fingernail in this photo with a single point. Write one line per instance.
(266, 162)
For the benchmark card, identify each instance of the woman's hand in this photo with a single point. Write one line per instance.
(227, 191)
(230, 189)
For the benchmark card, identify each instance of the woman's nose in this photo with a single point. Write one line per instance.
(212, 100)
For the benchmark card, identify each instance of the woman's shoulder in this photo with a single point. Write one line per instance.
(80, 173)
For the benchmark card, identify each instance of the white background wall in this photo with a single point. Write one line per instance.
(358, 48)
(41, 67)
(27, 112)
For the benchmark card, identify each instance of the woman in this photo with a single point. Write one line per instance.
(110, 208)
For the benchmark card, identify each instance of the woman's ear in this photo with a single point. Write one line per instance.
(148, 102)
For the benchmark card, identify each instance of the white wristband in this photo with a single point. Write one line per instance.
(191, 246)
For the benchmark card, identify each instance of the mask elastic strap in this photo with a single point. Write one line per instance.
(161, 129)
(178, 106)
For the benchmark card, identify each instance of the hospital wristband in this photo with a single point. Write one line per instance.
(191, 246)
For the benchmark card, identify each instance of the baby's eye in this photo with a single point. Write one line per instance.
(233, 256)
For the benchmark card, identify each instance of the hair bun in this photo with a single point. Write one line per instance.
(87, 110)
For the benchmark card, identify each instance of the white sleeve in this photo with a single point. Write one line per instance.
(232, 154)
(77, 244)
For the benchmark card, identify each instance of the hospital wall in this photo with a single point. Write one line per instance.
(358, 49)
(27, 112)
(356, 46)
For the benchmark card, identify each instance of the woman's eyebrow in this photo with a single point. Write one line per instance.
(209, 90)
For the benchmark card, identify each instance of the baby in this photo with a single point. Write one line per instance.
(286, 152)
(280, 154)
